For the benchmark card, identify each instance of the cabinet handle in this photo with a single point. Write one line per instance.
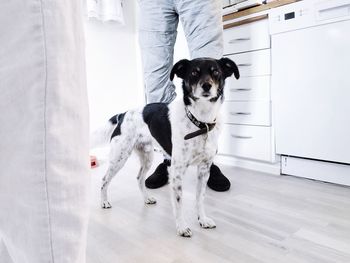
(240, 89)
(241, 137)
(244, 65)
(232, 41)
(240, 113)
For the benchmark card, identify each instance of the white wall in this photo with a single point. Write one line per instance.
(113, 67)
(114, 76)
(181, 51)
(181, 48)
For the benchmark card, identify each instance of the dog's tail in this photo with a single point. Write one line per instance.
(103, 135)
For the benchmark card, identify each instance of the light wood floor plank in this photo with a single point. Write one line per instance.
(262, 219)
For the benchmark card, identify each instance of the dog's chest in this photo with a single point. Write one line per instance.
(198, 149)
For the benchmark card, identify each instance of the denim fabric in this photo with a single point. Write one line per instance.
(202, 24)
(44, 161)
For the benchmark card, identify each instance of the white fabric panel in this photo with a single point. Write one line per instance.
(44, 162)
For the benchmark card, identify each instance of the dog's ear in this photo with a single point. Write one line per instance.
(228, 67)
(179, 69)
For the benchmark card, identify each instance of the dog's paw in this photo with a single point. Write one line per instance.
(184, 232)
(206, 222)
(105, 205)
(150, 201)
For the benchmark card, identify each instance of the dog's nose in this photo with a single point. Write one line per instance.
(206, 86)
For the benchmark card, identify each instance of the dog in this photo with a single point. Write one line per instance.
(187, 131)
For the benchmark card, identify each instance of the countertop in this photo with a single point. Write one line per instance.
(257, 9)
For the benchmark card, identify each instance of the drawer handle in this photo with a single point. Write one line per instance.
(240, 113)
(241, 137)
(240, 89)
(244, 65)
(232, 41)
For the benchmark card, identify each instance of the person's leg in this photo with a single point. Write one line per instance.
(202, 24)
(203, 27)
(44, 154)
(157, 36)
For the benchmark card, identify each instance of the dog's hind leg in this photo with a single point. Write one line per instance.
(145, 153)
(203, 175)
(121, 149)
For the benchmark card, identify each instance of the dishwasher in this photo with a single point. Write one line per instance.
(310, 43)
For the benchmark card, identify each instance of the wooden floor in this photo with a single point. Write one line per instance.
(263, 218)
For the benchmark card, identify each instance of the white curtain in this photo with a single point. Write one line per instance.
(106, 10)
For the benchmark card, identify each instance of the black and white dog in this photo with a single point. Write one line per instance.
(186, 130)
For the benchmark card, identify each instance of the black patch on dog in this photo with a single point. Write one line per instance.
(117, 119)
(187, 95)
(156, 115)
(228, 68)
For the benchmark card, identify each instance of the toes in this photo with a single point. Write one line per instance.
(207, 223)
(150, 201)
(186, 232)
(204, 225)
(106, 205)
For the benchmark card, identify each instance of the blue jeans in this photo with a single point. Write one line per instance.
(202, 24)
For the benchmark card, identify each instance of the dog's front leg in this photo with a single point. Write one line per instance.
(203, 175)
(177, 169)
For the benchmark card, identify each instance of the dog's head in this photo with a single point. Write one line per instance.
(204, 78)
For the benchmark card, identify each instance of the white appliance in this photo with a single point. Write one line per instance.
(311, 88)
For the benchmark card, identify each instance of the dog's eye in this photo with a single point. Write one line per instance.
(194, 73)
(215, 73)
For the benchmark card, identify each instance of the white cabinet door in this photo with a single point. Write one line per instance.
(255, 63)
(247, 37)
(248, 88)
(247, 112)
(251, 142)
(311, 92)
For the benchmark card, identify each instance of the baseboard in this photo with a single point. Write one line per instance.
(271, 168)
(318, 170)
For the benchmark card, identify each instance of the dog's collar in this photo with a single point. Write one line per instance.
(203, 126)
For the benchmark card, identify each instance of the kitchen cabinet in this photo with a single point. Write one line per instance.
(248, 126)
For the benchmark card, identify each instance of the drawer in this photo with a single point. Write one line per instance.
(247, 37)
(255, 63)
(248, 88)
(247, 112)
(251, 142)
